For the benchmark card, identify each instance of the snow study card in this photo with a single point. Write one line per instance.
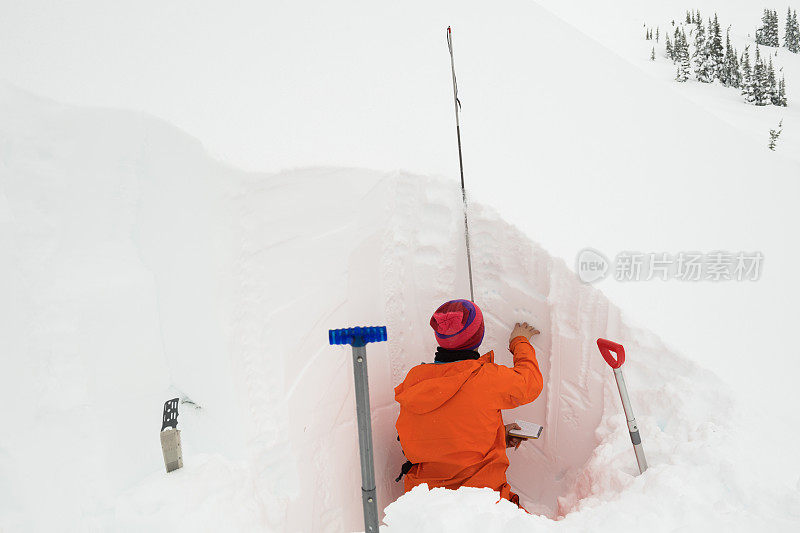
(529, 430)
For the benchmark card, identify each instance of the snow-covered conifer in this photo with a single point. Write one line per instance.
(771, 85)
(756, 78)
(774, 134)
(781, 100)
(772, 34)
(714, 53)
(761, 32)
(731, 65)
(736, 74)
(791, 37)
(796, 48)
(726, 72)
(684, 65)
(670, 50)
(657, 33)
(747, 77)
(653, 54)
(760, 81)
(700, 52)
(767, 34)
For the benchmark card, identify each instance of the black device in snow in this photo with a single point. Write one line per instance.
(171, 436)
(170, 417)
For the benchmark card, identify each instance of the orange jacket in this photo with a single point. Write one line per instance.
(450, 425)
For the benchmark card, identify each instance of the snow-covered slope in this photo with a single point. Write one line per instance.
(141, 268)
(619, 25)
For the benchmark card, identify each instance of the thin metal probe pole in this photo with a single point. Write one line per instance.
(457, 104)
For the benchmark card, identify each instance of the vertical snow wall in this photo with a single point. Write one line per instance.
(141, 269)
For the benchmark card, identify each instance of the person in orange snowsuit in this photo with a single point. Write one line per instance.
(450, 424)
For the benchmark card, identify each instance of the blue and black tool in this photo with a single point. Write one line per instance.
(358, 338)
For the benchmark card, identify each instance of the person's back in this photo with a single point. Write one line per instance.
(450, 425)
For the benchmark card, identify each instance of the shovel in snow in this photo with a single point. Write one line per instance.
(358, 338)
(606, 347)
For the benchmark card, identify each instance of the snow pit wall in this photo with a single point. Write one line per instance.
(424, 264)
(146, 270)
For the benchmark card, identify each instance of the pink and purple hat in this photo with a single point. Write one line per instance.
(458, 325)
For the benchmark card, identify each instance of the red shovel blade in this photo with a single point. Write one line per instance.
(606, 347)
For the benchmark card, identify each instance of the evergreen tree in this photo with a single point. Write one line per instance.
(653, 54)
(726, 71)
(796, 48)
(758, 96)
(767, 34)
(791, 37)
(771, 86)
(774, 134)
(684, 65)
(760, 32)
(747, 77)
(733, 77)
(678, 43)
(736, 74)
(689, 18)
(701, 60)
(714, 52)
(772, 33)
(781, 100)
(670, 51)
(760, 81)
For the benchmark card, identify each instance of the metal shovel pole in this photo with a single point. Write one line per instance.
(358, 338)
(606, 347)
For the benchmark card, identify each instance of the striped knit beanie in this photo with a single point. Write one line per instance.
(458, 325)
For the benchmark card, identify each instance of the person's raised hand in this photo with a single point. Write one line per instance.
(511, 441)
(523, 330)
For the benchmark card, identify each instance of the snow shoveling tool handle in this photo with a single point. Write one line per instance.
(606, 349)
(358, 338)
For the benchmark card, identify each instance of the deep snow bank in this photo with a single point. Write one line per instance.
(138, 268)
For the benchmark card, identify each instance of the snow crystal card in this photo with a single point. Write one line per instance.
(529, 430)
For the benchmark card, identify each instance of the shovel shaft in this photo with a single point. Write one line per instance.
(368, 496)
(633, 429)
(358, 338)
